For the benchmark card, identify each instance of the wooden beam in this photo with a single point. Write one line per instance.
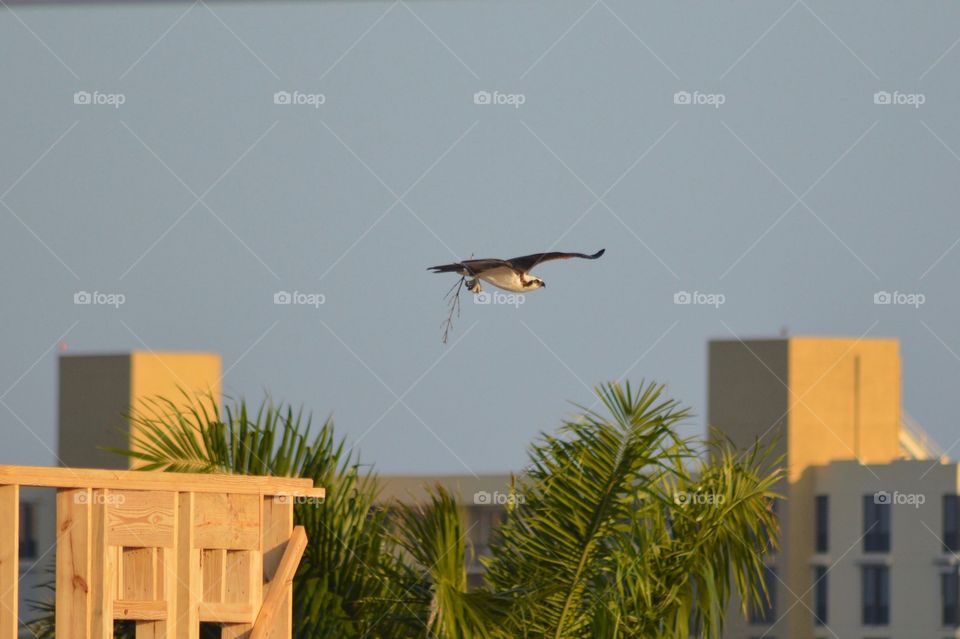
(138, 480)
(139, 609)
(73, 597)
(280, 588)
(188, 583)
(103, 569)
(9, 559)
(227, 612)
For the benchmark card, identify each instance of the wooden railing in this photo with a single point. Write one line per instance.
(166, 550)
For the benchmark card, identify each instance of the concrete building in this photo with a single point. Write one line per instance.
(869, 523)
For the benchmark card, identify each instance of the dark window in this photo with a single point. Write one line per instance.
(876, 595)
(28, 531)
(876, 522)
(951, 523)
(950, 597)
(821, 522)
(820, 595)
(767, 610)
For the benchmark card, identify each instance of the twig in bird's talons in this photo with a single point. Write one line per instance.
(454, 298)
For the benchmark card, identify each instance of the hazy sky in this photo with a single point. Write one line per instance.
(783, 187)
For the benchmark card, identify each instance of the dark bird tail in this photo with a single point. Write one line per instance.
(456, 267)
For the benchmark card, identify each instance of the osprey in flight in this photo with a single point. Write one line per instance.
(510, 275)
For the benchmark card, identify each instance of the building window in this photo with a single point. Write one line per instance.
(766, 612)
(821, 521)
(876, 595)
(876, 522)
(951, 523)
(820, 595)
(950, 598)
(28, 531)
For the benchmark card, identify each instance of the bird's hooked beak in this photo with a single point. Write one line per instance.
(543, 284)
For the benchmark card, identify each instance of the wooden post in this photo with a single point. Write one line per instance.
(188, 583)
(73, 595)
(277, 528)
(103, 570)
(9, 559)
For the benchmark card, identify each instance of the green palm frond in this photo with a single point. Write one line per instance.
(433, 536)
(601, 545)
(578, 494)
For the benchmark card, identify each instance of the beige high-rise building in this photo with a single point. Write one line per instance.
(870, 520)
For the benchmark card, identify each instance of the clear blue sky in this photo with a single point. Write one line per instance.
(797, 199)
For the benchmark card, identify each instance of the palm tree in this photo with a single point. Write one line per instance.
(618, 527)
(619, 530)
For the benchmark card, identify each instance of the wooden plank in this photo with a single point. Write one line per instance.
(73, 564)
(213, 566)
(279, 591)
(188, 582)
(103, 569)
(141, 518)
(227, 612)
(244, 584)
(277, 528)
(9, 559)
(138, 570)
(140, 610)
(137, 480)
(227, 521)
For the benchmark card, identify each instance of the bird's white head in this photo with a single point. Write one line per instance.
(537, 283)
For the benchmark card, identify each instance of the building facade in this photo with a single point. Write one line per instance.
(869, 520)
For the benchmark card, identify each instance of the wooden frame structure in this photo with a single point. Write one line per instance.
(166, 550)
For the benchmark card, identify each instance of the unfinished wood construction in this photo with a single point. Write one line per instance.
(165, 550)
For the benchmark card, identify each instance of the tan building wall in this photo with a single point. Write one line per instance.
(916, 558)
(96, 391)
(819, 399)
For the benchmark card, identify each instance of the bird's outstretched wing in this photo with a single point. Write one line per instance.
(469, 267)
(527, 262)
